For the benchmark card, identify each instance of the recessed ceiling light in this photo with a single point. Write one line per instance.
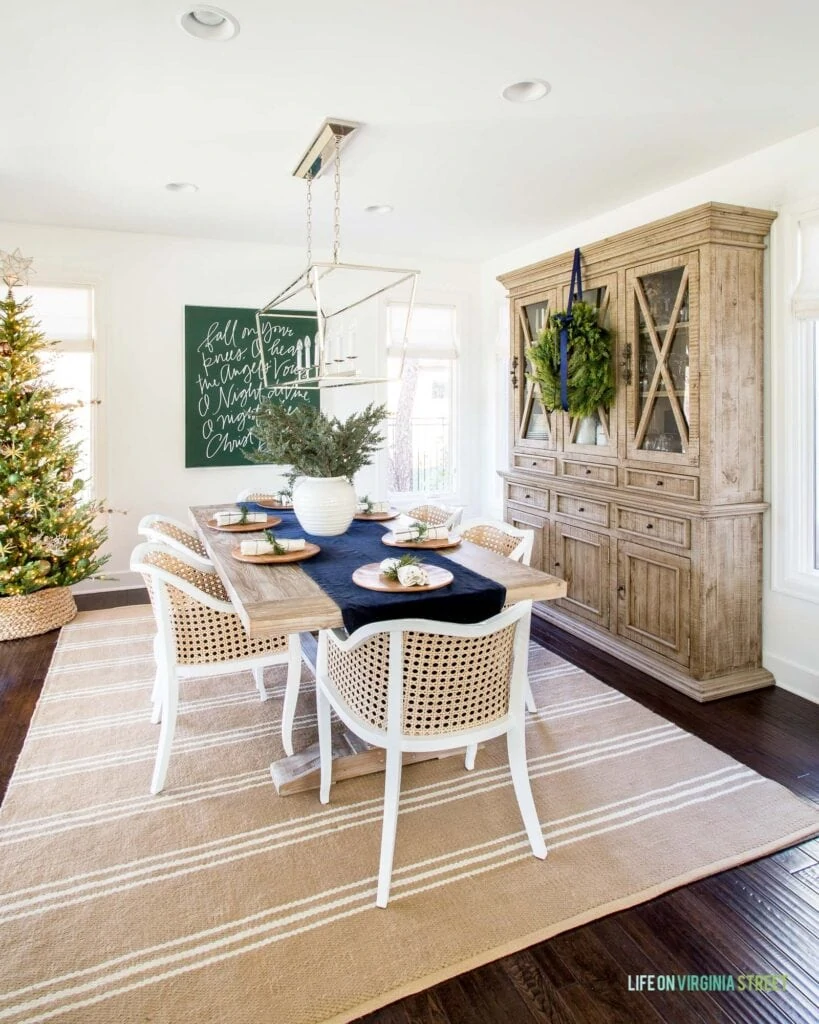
(378, 209)
(527, 91)
(181, 186)
(206, 22)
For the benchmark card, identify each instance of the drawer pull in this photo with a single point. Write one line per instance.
(659, 483)
(581, 509)
(557, 565)
(588, 471)
(649, 526)
(534, 462)
(527, 496)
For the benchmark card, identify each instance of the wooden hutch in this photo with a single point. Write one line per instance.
(652, 510)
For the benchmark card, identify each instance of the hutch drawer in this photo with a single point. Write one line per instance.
(596, 512)
(523, 494)
(596, 471)
(541, 463)
(662, 483)
(666, 529)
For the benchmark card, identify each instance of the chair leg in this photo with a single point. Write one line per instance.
(516, 747)
(156, 696)
(471, 751)
(258, 675)
(531, 707)
(392, 789)
(163, 754)
(291, 692)
(325, 744)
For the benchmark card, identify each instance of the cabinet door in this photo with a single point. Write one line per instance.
(653, 599)
(540, 526)
(596, 434)
(581, 558)
(533, 428)
(661, 361)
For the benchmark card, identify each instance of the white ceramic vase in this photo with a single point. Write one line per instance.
(324, 506)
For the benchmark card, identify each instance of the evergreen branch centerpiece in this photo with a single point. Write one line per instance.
(590, 367)
(48, 534)
(324, 453)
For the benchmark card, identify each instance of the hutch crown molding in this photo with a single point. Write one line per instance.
(652, 510)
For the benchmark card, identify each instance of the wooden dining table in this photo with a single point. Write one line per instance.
(275, 599)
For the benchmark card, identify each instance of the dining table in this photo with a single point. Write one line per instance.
(282, 598)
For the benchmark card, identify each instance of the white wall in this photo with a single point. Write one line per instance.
(784, 174)
(142, 284)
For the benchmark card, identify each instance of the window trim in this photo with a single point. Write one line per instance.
(793, 418)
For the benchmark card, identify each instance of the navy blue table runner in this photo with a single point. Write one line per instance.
(469, 598)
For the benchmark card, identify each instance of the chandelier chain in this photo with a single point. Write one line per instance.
(309, 218)
(337, 200)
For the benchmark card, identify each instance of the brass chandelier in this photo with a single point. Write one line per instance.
(327, 292)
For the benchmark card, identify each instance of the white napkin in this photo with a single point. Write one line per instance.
(229, 518)
(413, 576)
(264, 547)
(411, 533)
(388, 563)
(380, 506)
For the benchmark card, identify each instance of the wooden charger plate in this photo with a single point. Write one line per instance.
(377, 517)
(288, 507)
(245, 527)
(369, 576)
(291, 556)
(441, 542)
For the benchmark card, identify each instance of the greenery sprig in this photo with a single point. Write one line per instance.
(392, 574)
(590, 367)
(421, 530)
(278, 547)
(314, 444)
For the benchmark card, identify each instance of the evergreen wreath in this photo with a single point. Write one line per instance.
(590, 369)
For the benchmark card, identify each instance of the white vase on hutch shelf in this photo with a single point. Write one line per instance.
(324, 506)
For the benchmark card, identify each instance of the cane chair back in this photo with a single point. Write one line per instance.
(436, 515)
(255, 495)
(173, 534)
(416, 685)
(199, 634)
(496, 535)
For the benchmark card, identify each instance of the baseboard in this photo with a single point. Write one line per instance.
(125, 580)
(804, 682)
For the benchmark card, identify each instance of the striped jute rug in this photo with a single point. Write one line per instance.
(219, 901)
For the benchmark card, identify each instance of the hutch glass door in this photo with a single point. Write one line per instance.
(534, 426)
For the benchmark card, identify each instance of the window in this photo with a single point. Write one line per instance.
(66, 316)
(814, 330)
(421, 404)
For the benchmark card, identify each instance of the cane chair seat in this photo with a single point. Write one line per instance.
(200, 634)
(173, 534)
(417, 685)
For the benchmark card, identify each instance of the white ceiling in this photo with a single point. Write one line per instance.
(105, 101)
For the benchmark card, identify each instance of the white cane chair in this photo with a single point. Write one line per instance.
(436, 515)
(173, 534)
(417, 685)
(199, 634)
(496, 535)
(254, 494)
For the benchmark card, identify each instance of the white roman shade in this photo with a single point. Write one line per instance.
(806, 296)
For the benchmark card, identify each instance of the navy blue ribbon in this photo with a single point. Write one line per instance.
(575, 291)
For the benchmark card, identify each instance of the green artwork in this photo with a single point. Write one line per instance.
(223, 378)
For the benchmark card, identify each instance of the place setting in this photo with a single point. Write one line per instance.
(282, 500)
(421, 535)
(375, 511)
(404, 575)
(274, 550)
(242, 521)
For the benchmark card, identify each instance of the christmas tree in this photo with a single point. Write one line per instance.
(48, 536)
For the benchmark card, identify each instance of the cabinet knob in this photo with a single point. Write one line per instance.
(659, 483)
(557, 565)
(649, 526)
(581, 509)
(527, 496)
(534, 462)
(588, 471)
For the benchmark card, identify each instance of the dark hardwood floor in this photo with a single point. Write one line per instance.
(760, 919)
